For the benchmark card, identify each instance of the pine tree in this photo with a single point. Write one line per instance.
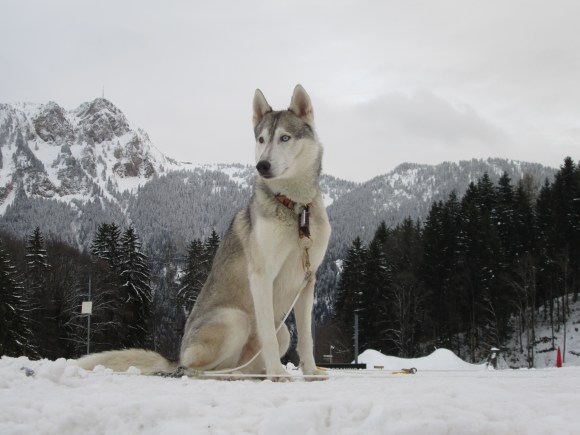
(110, 316)
(503, 217)
(546, 242)
(479, 250)
(36, 253)
(210, 247)
(486, 195)
(125, 301)
(168, 316)
(198, 265)
(350, 299)
(566, 203)
(193, 277)
(376, 291)
(39, 296)
(524, 268)
(37, 267)
(440, 272)
(106, 244)
(524, 222)
(15, 332)
(135, 285)
(565, 194)
(408, 291)
(68, 283)
(452, 283)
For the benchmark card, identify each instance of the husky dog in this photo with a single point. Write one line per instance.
(268, 257)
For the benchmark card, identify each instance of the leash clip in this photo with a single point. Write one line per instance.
(304, 223)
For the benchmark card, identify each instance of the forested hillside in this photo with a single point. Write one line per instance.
(406, 192)
(472, 275)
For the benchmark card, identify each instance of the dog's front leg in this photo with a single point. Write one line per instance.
(261, 286)
(303, 313)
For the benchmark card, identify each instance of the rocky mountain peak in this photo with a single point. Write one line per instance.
(52, 125)
(49, 152)
(100, 120)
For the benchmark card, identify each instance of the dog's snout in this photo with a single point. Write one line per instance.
(263, 167)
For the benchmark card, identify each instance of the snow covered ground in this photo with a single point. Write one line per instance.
(446, 396)
(544, 356)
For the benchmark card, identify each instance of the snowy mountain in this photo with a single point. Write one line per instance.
(410, 189)
(68, 171)
(48, 152)
(100, 167)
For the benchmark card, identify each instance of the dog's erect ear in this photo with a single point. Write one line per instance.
(261, 107)
(301, 105)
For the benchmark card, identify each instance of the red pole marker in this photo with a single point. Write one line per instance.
(559, 358)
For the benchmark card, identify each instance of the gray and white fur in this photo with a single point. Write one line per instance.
(259, 266)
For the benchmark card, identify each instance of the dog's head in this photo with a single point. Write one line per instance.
(285, 140)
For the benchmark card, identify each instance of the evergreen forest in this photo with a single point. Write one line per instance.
(474, 273)
(137, 300)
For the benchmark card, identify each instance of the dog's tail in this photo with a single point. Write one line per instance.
(147, 361)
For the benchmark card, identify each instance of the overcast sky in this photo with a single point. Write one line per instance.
(391, 81)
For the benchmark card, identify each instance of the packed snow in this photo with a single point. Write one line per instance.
(441, 359)
(446, 396)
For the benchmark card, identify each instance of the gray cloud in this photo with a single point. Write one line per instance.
(420, 127)
(417, 80)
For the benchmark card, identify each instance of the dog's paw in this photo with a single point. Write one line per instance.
(279, 374)
(177, 373)
(280, 379)
(314, 373)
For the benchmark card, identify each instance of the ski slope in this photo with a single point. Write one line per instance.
(60, 398)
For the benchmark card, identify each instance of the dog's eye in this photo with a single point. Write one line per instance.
(285, 138)
(261, 139)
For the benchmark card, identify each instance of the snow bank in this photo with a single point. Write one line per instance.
(441, 359)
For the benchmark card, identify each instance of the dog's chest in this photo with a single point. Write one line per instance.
(306, 230)
(277, 235)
